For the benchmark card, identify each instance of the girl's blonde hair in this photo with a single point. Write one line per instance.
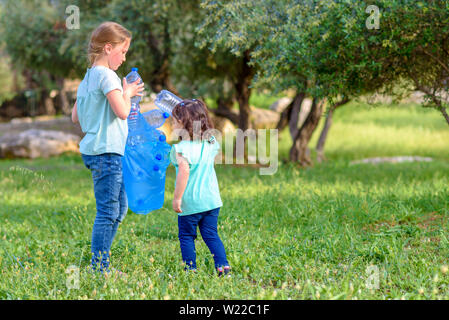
(107, 32)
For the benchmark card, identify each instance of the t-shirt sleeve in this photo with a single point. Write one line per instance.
(109, 82)
(182, 149)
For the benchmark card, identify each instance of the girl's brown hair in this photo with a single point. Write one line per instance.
(192, 113)
(107, 32)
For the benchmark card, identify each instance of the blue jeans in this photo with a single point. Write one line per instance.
(111, 201)
(207, 222)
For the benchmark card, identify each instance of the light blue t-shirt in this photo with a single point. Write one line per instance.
(202, 192)
(105, 132)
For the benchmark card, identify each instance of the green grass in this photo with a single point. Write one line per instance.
(361, 131)
(300, 234)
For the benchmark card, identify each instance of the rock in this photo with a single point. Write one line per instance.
(19, 125)
(21, 120)
(222, 124)
(399, 159)
(36, 143)
(305, 110)
(281, 104)
(264, 119)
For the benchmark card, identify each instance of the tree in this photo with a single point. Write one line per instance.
(163, 45)
(420, 47)
(35, 37)
(29, 39)
(223, 30)
(325, 50)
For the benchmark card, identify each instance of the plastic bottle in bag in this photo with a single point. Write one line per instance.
(166, 101)
(155, 118)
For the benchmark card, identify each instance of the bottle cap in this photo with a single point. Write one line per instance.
(166, 115)
(134, 69)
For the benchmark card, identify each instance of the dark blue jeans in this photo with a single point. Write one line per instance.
(207, 222)
(111, 201)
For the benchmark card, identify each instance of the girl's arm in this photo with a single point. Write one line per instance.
(75, 115)
(181, 182)
(121, 103)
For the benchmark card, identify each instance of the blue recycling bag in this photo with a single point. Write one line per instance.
(144, 166)
(146, 158)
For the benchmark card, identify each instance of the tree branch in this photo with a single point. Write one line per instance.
(228, 114)
(445, 67)
(437, 101)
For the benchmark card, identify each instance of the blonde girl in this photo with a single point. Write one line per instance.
(101, 108)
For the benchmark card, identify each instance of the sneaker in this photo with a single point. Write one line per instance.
(189, 270)
(224, 271)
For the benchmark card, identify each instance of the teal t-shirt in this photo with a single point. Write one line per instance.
(105, 132)
(202, 192)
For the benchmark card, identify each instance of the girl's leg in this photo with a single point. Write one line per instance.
(187, 235)
(123, 211)
(208, 229)
(107, 177)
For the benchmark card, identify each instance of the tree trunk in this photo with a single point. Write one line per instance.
(47, 103)
(224, 109)
(325, 131)
(243, 92)
(63, 99)
(444, 112)
(294, 114)
(285, 116)
(299, 151)
(160, 77)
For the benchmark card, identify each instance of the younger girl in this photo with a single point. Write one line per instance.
(196, 198)
(101, 108)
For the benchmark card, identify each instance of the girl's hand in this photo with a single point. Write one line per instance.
(132, 89)
(177, 205)
(121, 103)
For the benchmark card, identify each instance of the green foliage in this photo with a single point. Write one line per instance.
(75, 42)
(7, 80)
(32, 33)
(325, 47)
(198, 47)
(157, 30)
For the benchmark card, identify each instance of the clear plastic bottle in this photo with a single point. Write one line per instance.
(166, 101)
(133, 76)
(155, 118)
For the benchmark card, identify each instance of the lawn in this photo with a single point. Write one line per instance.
(326, 232)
